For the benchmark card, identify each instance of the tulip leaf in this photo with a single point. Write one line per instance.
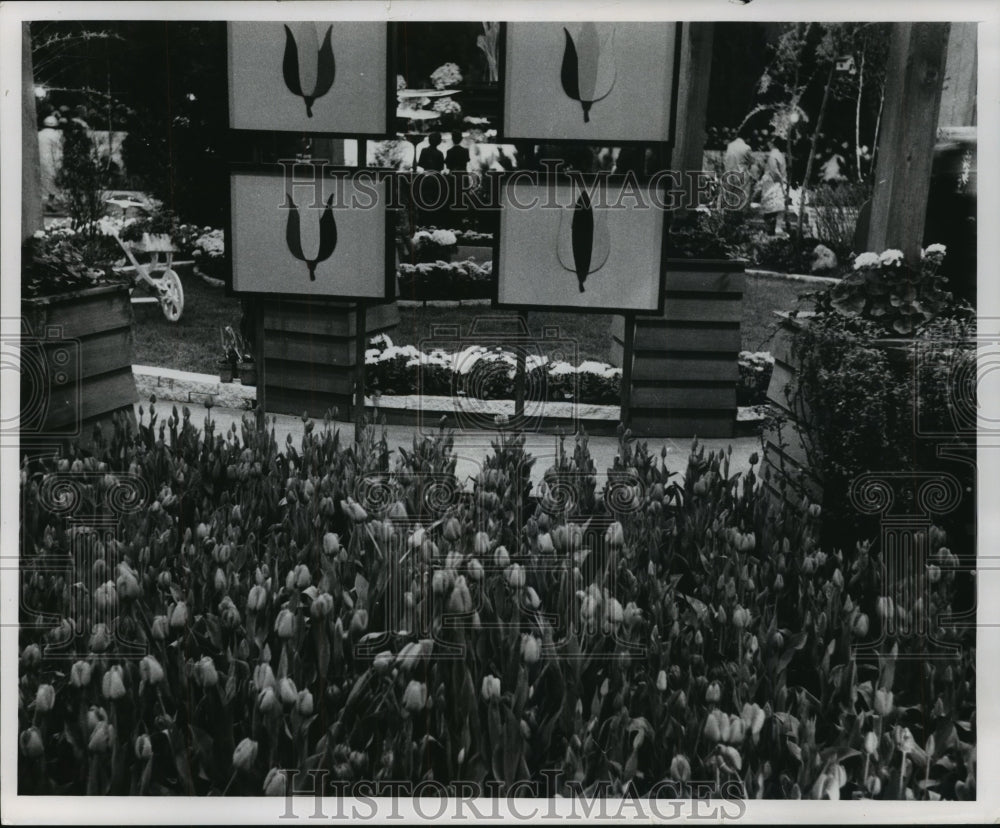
(570, 69)
(290, 64)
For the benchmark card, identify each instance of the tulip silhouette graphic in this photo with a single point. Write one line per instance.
(327, 236)
(588, 67)
(584, 241)
(297, 76)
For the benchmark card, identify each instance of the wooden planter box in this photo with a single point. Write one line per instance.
(76, 364)
(308, 354)
(685, 363)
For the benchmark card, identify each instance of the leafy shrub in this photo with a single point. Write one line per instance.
(672, 629)
(835, 212)
(445, 280)
(61, 259)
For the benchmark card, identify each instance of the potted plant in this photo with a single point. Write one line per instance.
(231, 356)
(76, 336)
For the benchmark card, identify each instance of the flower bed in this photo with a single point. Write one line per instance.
(445, 280)
(667, 632)
(485, 373)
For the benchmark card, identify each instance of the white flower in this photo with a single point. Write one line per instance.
(864, 260)
(400, 82)
(934, 250)
(891, 257)
(446, 75)
(447, 106)
(472, 119)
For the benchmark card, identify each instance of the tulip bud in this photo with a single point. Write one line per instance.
(161, 628)
(453, 530)
(287, 691)
(31, 743)
(475, 570)
(883, 702)
(531, 649)
(713, 693)
(45, 698)
(245, 755)
(359, 622)
(460, 601)
(661, 681)
(305, 703)
(219, 581)
(615, 535)
(633, 615)
(415, 696)
(322, 605)
(531, 598)
(267, 701)
(481, 544)
(284, 624)
(150, 670)
(712, 732)
(736, 730)
(491, 688)
(861, 625)
(501, 558)
(871, 742)
(331, 543)
(31, 656)
(680, 768)
(101, 738)
(741, 617)
(884, 607)
(515, 576)
(80, 673)
(179, 616)
(205, 673)
(263, 676)
(143, 747)
(112, 685)
(382, 662)
(545, 545)
(257, 599)
(275, 782)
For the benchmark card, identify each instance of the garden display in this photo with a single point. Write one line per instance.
(310, 606)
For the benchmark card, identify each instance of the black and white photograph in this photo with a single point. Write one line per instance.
(585, 413)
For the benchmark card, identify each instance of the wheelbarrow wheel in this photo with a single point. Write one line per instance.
(171, 295)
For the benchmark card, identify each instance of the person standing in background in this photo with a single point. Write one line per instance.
(457, 157)
(50, 150)
(739, 159)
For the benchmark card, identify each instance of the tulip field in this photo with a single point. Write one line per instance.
(201, 611)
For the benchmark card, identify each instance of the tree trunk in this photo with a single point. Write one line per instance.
(812, 151)
(857, 116)
(31, 169)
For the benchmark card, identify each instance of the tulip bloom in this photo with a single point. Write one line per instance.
(305, 703)
(45, 698)
(531, 649)
(288, 692)
(31, 743)
(101, 738)
(274, 783)
(112, 684)
(205, 673)
(491, 688)
(80, 673)
(150, 670)
(415, 696)
(143, 747)
(284, 624)
(245, 755)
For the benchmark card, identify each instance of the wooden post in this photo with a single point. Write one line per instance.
(31, 171)
(628, 346)
(692, 101)
(915, 73)
(519, 371)
(958, 92)
(360, 336)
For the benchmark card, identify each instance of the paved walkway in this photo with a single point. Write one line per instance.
(471, 446)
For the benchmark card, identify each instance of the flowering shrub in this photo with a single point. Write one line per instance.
(891, 293)
(263, 609)
(446, 76)
(405, 369)
(447, 106)
(209, 251)
(60, 259)
(433, 244)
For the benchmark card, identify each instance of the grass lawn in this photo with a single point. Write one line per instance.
(193, 343)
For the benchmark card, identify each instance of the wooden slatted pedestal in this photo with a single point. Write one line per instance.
(685, 363)
(310, 354)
